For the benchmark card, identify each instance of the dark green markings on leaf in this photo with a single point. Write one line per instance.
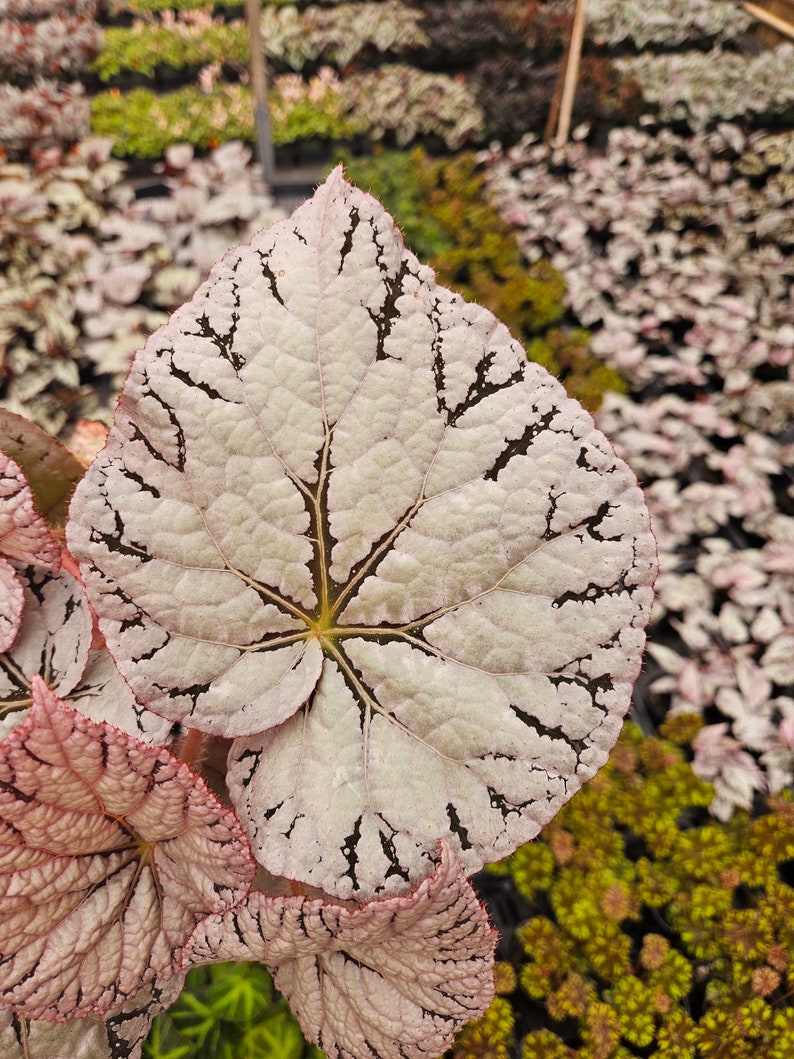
(343, 521)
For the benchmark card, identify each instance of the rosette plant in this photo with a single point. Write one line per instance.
(343, 535)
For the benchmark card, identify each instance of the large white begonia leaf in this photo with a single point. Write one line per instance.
(110, 853)
(335, 495)
(394, 979)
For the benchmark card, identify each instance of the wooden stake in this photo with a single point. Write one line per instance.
(554, 109)
(264, 137)
(780, 24)
(571, 73)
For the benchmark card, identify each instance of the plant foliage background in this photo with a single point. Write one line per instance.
(648, 263)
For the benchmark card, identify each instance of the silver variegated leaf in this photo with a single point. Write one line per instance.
(394, 979)
(53, 641)
(12, 602)
(342, 520)
(24, 538)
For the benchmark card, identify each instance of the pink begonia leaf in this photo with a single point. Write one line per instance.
(339, 500)
(120, 1035)
(24, 535)
(87, 439)
(393, 979)
(110, 853)
(12, 601)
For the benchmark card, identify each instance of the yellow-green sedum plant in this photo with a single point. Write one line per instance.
(652, 930)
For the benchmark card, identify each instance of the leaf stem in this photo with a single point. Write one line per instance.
(192, 749)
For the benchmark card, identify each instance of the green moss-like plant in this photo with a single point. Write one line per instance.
(442, 207)
(654, 931)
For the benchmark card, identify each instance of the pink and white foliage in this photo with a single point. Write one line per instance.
(13, 601)
(342, 521)
(673, 250)
(24, 535)
(110, 853)
(393, 979)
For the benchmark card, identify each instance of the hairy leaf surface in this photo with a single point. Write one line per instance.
(110, 852)
(395, 979)
(341, 519)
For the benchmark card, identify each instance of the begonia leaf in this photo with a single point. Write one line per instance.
(24, 535)
(51, 470)
(110, 852)
(338, 499)
(393, 979)
(120, 1035)
(53, 642)
(102, 694)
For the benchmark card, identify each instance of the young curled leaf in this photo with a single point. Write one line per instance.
(53, 642)
(110, 852)
(342, 520)
(393, 979)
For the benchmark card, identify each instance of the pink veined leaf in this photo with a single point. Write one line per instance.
(342, 520)
(393, 979)
(12, 601)
(110, 853)
(24, 535)
(120, 1035)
